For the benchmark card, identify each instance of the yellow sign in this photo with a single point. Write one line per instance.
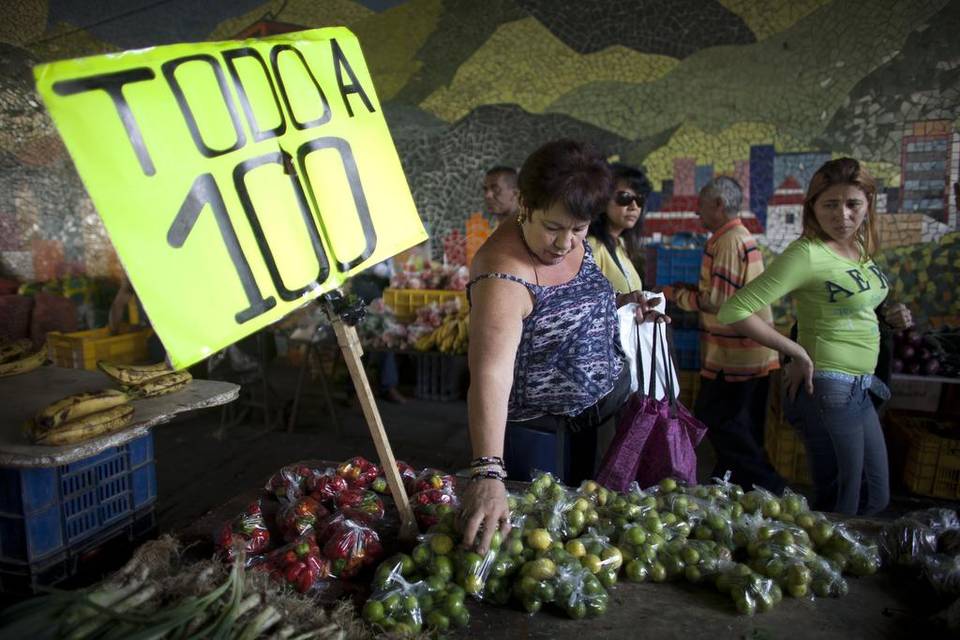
(237, 180)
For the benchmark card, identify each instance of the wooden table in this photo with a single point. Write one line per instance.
(22, 395)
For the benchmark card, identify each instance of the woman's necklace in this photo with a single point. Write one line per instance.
(533, 257)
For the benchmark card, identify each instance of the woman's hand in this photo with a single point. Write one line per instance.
(624, 299)
(898, 316)
(797, 372)
(484, 507)
(647, 310)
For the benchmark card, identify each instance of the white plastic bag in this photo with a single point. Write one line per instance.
(628, 340)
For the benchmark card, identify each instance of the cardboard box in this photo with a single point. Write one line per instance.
(915, 393)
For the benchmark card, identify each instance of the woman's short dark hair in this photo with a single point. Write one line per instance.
(567, 172)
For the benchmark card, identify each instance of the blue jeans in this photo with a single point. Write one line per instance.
(845, 447)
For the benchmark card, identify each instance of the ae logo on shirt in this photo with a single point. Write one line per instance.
(860, 283)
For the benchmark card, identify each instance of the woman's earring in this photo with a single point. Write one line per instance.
(520, 218)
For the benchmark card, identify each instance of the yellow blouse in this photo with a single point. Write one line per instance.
(621, 283)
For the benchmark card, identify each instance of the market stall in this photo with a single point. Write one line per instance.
(62, 500)
(424, 315)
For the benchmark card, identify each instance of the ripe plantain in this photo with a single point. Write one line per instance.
(167, 383)
(14, 350)
(24, 364)
(89, 426)
(77, 406)
(134, 374)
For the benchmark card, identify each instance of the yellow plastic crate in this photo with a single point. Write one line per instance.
(932, 465)
(786, 450)
(82, 349)
(406, 302)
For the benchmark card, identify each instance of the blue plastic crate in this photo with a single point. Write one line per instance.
(677, 265)
(23, 579)
(46, 511)
(527, 449)
(686, 348)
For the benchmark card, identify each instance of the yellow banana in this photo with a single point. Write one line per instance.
(426, 342)
(134, 374)
(89, 426)
(162, 385)
(15, 350)
(462, 328)
(447, 345)
(27, 363)
(77, 406)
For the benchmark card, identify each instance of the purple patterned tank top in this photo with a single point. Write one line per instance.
(569, 355)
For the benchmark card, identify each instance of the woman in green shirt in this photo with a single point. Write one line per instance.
(836, 286)
(614, 235)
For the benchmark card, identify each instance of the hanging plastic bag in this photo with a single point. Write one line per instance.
(638, 342)
(247, 532)
(655, 439)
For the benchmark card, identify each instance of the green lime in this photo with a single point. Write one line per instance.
(373, 611)
(438, 621)
(441, 544)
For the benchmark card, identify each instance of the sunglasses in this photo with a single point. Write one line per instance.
(624, 198)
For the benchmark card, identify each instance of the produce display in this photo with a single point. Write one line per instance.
(935, 353)
(20, 357)
(431, 275)
(441, 327)
(568, 547)
(330, 519)
(566, 550)
(928, 543)
(452, 336)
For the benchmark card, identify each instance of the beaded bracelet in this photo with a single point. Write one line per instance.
(483, 461)
(489, 475)
(489, 470)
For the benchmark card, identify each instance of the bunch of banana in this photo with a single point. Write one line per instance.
(146, 381)
(132, 374)
(452, 335)
(162, 385)
(426, 342)
(80, 417)
(462, 341)
(15, 357)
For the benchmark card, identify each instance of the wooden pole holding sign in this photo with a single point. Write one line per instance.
(352, 350)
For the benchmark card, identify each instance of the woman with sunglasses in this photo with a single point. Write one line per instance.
(614, 236)
(830, 379)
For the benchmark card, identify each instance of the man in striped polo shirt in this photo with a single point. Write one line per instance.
(734, 370)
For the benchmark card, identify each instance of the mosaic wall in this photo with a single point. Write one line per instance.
(690, 89)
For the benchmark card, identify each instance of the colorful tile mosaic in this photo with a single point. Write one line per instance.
(690, 89)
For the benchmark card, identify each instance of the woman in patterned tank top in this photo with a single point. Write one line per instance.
(544, 342)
